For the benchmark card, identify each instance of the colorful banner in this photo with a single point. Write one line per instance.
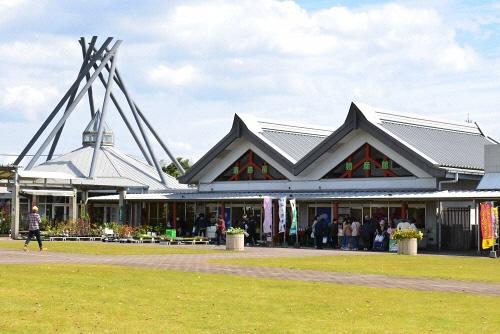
(268, 215)
(487, 223)
(293, 227)
(282, 213)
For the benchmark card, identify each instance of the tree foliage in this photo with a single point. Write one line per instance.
(173, 171)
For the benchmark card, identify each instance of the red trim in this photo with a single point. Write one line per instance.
(367, 158)
(243, 169)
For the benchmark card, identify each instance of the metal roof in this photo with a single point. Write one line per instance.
(293, 141)
(113, 168)
(437, 147)
(297, 145)
(490, 181)
(447, 148)
(310, 196)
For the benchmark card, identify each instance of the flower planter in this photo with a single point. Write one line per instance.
(407, 246)
(235, 242)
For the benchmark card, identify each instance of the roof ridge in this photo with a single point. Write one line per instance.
(433, 127)
(382, 115)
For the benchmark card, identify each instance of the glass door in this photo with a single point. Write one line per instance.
(60, 212)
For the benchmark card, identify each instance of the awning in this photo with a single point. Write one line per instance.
(310, 196)
(48, 192)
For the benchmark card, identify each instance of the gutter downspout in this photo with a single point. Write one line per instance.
(440, 188)
(455, 180)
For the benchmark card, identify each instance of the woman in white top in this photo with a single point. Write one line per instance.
(341, 233)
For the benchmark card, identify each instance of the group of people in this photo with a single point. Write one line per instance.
(247, 223)
(351, 234)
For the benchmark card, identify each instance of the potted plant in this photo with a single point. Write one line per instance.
(407, 240)
(235, 239)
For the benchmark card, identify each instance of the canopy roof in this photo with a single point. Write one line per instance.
(313, 196)
(114, 169)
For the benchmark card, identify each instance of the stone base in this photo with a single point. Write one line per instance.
(235, 242)
(407, 246)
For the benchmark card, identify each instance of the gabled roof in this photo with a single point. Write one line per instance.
(113, 169)
(435, 146)
(284, 142)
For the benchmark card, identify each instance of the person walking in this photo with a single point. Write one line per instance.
(34, 220)
(220, 229)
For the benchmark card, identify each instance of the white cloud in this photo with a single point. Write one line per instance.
(27, 100)
(8, 9)
(170, 76)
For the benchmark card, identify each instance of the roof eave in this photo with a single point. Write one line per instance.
(238, 130)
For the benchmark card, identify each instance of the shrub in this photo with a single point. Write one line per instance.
(235, 231)
(407, 234)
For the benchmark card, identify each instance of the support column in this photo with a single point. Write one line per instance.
(14, 223)
(404, 210)
(73, 207)
(121, 206)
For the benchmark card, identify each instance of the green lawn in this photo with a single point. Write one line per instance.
(446, 267)
(85, 247)
(110, 299)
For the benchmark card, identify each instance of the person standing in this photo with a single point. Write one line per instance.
(334, 233)
(220, 229)
(319, 230)
(355, 227)
(252, 230)
(340, 234)
(313, 229)
(347, 234)
(33, 228)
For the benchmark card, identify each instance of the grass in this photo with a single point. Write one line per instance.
(110, 299)
(101, 248)
(445, 267)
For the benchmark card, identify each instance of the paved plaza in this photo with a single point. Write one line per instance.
(201, 263)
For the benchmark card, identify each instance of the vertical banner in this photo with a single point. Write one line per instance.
(293, 227)
(487, 225)
(282, 213)
(494, 217)
(268, 215)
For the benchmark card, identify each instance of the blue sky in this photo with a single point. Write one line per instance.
(191, 65)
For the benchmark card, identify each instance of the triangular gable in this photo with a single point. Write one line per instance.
(238, 130)
(367, 162)
(250, 167)
(357, 120)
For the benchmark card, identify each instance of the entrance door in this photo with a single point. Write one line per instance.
(325, 210)
(357, 213)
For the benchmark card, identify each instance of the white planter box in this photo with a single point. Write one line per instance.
(235, 242)
(407, 246)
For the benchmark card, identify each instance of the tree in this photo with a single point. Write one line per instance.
(172, 170)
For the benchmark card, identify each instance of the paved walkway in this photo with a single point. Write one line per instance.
(200, 263)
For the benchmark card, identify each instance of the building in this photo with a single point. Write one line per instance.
(382, 164)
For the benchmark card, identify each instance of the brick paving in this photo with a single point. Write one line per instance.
(200, 263)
